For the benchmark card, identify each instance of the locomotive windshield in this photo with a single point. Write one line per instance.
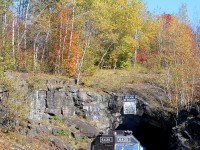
(126, 142)
(126, 147)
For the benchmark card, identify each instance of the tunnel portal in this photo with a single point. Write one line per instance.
(150, 136)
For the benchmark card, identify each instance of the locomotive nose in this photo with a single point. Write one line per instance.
(116, 140)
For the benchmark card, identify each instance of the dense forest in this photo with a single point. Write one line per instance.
(71, 38)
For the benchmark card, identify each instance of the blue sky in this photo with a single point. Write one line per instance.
(172, 6)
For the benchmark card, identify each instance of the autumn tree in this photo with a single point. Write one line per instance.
(6, 19)
(113, 26)
(175, 55)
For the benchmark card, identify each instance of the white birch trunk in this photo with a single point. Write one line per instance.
(71, 34)
(25, 31)
(136, 49)
(13, 38)
(101, 60)
(4, 26)
(35, 53)
(60, 46)
(18, 32)
(44, 49)
(82, 59)
(135, 56)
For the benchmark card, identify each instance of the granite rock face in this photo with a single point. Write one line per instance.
(68, 101)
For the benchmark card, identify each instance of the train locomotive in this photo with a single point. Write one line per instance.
(116, 140)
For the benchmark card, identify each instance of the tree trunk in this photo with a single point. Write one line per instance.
(64, 40)
(136, 49)
(18, 35)
(13, 38)
(45, 47)
(4, 26)
(71, 34)
(82, 59)
(35, 53)
(25, 31)
(135, 56)
(60, 45)
(101, 60)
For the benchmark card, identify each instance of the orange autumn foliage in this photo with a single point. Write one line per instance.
(64, 54)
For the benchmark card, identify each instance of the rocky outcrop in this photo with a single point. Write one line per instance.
(186, 135)
(58, 144)
(83, 112)
(68, 101)
(3, 111)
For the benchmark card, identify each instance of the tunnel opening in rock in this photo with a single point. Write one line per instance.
(150, 136)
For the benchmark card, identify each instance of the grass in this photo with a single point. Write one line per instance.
(10, 78)
(116, 79)
(147, 83)
(37, 80)
(36, 142)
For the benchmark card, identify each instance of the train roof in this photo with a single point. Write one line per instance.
(116, 136)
